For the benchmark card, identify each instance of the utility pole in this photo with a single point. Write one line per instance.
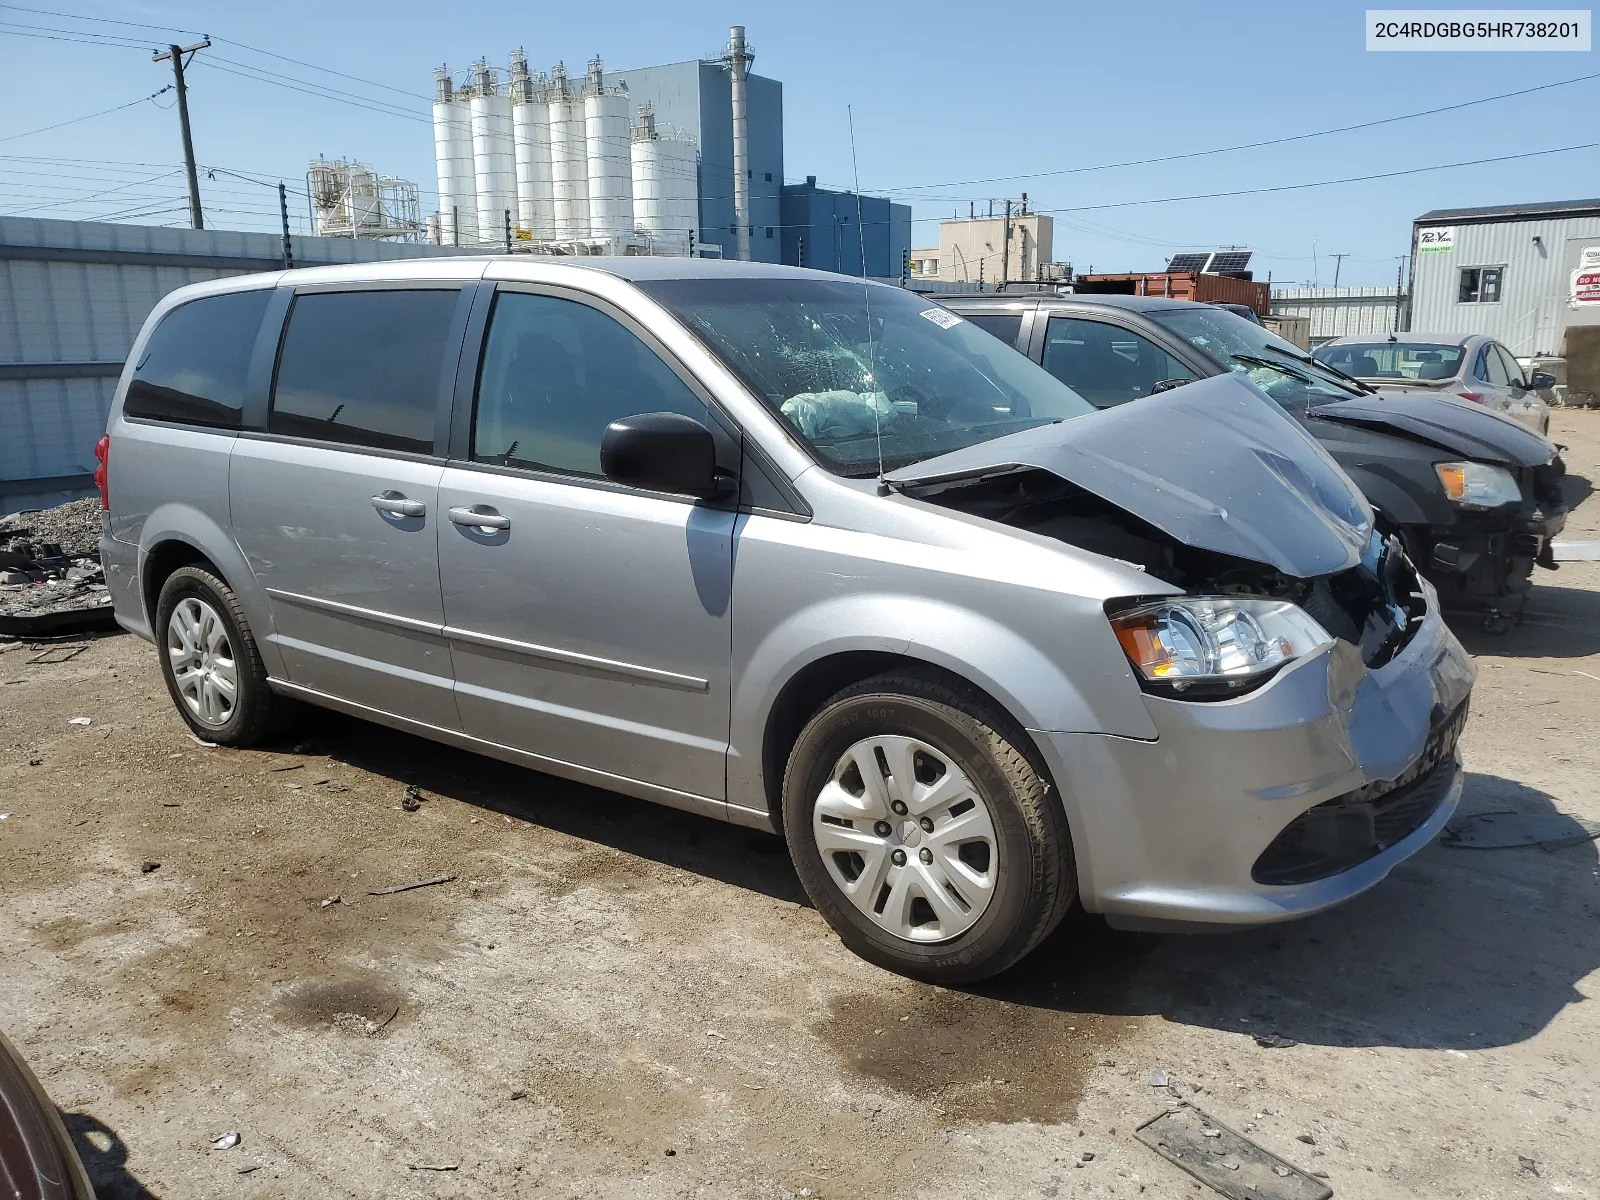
(176, 53)
(1399, 289)
(1338, 261)
(283, 209)
(1005, 249)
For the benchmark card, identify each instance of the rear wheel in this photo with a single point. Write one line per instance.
(211, 663)
(923, 832)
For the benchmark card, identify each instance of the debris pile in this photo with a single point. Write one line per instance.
(50, 573)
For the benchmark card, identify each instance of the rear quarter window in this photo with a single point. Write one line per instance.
(192, 370)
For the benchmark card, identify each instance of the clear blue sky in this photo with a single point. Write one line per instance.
(943, 93)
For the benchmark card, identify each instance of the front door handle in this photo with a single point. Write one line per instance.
(480, 516)
(398, 505)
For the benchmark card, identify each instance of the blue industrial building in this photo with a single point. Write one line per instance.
(824, 229)
(697, 98)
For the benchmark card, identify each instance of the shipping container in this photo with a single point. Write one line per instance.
(1180, 285)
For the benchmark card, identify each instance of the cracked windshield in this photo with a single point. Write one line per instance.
(844, 363)
(1280, 369)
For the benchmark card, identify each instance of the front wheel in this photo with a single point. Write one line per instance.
(924, 832)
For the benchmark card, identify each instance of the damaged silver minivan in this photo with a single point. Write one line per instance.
(801, 552)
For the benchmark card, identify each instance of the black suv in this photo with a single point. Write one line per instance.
(1475, 497)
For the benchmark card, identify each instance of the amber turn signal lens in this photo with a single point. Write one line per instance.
(1454, 478)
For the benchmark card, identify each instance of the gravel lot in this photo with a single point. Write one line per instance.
(615, 999)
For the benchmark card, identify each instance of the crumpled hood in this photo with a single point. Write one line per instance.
(1460, 427)
(1213, 464)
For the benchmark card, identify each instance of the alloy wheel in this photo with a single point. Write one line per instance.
(203, 666)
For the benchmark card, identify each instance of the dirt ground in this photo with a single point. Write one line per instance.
(612, 999)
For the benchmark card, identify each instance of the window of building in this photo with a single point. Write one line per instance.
(193, 367)
(1106, 364)
(364, 368)
(1481, 285)
(769, 176)
(555, 374)
(769, 230)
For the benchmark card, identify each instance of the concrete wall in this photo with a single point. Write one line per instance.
(1533, 310)
(73, 295)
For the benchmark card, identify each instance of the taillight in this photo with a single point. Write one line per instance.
(102, 473)
(1475, 397)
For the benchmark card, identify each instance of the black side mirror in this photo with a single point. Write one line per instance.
(663, 452)
(1540, 380)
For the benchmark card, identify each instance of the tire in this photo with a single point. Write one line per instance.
(951, 910)
(219, 643)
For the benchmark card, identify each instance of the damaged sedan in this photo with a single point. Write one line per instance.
(804, 553)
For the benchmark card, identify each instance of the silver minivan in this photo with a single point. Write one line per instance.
(801, 552)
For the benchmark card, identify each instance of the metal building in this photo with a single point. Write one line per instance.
(1344, 311)
(1511, 271)
(73, 295)
(843, 232)
(349, 199)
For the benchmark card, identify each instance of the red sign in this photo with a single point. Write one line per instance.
(1586, 287)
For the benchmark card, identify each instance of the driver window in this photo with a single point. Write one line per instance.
(1495, 367)
(1106, 364)
(1512, 368)
(555, 374)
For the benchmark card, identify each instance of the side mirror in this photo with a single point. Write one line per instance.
(663, 452)
(1166, 385)
(1540, 380)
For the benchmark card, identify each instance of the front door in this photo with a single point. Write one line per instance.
(588, 622)
(336, 506)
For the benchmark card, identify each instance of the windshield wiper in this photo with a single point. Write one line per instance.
(1348, 378)
(1273, 364)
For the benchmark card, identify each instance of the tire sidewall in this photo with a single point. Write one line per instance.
(811, 765)
(182, 584)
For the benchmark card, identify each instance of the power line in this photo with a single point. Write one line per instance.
(1298, 137)
(89, 117)
(1295, 187)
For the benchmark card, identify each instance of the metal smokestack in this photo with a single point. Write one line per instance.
(738, 59)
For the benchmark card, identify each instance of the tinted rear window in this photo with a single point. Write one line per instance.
(1004, 326)
(364, 368)
(193, 367)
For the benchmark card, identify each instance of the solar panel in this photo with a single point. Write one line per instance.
(1187, 262)
(1229, 260)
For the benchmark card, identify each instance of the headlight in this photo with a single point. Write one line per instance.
(1226, 642)
(1478, 485)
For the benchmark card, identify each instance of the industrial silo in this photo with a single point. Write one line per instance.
(530, 129)
(569, 159)
(607, 142)
(452, 148)
(494, 162)
(666, 203)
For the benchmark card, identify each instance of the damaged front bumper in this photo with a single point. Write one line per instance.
(1207, 824)
(1487, 557)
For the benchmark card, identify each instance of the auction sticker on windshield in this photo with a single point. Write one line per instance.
(1516, 29)
(942, 317)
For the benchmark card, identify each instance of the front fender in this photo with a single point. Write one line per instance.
(1080, 683)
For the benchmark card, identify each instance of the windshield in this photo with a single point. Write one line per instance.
(1281, 369)
(1394, 360)
(926, 380)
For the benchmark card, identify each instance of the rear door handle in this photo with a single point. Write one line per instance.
(398, 505)
(480, 516)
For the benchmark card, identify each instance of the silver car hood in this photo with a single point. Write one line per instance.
(1211, 464)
